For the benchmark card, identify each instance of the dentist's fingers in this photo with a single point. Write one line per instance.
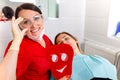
(18, 20)
(24, 31)
(13, 18)
(15, 23)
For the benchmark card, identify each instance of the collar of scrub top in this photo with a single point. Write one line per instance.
(60, 58)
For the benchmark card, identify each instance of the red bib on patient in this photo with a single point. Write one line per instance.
(60, 58)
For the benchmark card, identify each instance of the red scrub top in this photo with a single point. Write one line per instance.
(32, 61)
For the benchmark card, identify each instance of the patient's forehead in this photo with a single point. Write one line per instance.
(62, 36)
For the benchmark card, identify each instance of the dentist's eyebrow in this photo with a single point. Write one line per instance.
(31, 17)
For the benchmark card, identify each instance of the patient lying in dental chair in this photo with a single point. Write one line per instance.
(86, 67)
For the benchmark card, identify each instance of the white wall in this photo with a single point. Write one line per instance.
(96, 22)
(8, 3)
(72, 15)
(5, 36)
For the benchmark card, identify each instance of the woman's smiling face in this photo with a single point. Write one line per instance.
(33, 21)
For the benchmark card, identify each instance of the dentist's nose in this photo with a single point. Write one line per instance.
(33, 24)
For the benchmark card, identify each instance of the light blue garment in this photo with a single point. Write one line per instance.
(52, 78)
(85, 67)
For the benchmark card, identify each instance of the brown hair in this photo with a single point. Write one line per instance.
(78, 45)
(26, 6)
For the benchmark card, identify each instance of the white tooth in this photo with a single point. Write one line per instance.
(35, 30)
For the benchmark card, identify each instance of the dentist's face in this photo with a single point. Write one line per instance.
(33, 21)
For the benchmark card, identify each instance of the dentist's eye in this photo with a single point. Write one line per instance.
(36, 18)
(54, 58)
(64, 57)
(26, 22)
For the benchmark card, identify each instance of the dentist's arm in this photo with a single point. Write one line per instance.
(8, 64)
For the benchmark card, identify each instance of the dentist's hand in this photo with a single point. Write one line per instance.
(17, 33)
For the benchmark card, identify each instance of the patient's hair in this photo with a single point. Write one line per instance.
(78, 44)
(8, 12)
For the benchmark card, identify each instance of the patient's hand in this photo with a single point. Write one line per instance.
(65, 77)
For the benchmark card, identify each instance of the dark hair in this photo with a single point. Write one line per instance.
(8, 12)
(78, 45)
(26, 6)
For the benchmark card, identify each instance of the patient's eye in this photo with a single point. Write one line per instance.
(66, 38)
(60, 42)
